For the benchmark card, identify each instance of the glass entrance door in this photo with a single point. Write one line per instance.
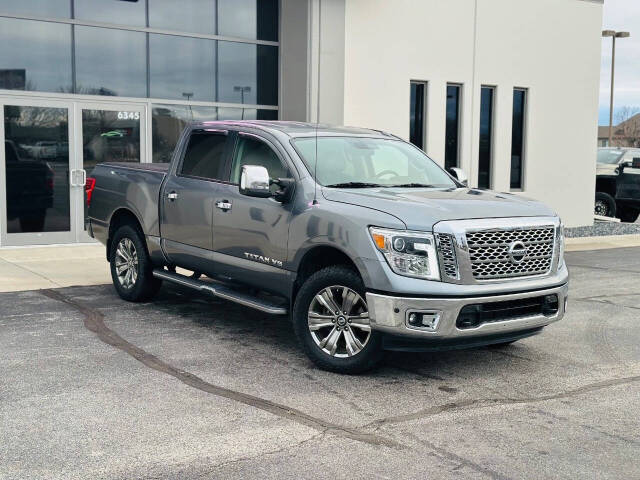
(109, 133)
(35, 173)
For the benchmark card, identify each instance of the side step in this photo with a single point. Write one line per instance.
(221, 291)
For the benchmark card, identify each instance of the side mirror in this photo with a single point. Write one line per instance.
(459, 175)
(254, 181)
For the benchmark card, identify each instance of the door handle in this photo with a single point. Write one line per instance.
(223, 204)
(172, 196)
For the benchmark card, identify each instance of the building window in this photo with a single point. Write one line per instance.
(110, 62)
(35, 56)
(42, 8)
(486, 137)
(193, 16)
(517, 138)
(417, 114)
(452, 133)
(122, 13)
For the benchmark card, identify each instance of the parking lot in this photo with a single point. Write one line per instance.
(190, 387)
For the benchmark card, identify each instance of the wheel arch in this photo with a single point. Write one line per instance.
(606, 185)
(123, 216)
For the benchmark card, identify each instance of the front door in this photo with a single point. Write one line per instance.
(107, 132)
(38, 178)
(250, 234)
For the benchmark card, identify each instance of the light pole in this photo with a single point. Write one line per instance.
(613, 34)
(242, 90)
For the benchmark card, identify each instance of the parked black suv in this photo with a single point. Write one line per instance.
(618, 183)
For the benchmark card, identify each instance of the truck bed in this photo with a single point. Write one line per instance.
(134, 186)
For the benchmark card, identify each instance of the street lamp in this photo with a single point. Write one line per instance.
(613, 34)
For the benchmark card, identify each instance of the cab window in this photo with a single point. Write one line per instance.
(205, 156)
(255, 152)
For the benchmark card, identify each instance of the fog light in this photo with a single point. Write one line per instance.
(427, 321)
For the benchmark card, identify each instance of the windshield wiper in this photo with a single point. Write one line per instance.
(412, 185)
(354, 185)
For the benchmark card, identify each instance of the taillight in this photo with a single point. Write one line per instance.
(88, 189)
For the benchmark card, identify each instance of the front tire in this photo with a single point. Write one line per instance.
(131, 267)
(331, 321)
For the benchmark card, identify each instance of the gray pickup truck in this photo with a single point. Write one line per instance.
(361, 239)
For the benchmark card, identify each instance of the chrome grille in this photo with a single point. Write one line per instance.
(447, 254)
(490, 257)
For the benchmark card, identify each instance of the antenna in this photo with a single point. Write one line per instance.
(315, 166)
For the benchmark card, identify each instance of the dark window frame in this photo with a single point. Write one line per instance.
(245, 134)
(228, 149)
(492, 122)
(520, 185)
(425, 100)
(459, 112)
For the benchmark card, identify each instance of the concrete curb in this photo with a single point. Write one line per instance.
(577, 244)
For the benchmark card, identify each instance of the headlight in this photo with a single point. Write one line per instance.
(560, 245)
(412, 254)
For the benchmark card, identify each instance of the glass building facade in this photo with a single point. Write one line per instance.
(123, 78)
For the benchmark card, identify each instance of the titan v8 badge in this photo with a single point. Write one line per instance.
(261, 259)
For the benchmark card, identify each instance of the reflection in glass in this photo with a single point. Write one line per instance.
(35, 55)
(247, 73)
(112, 11)
(168, 122)
(110, 62)
(42, 8)
(517, 137)
(37, 169)
(193, 16)
(228, 113)
(452, 133)
(486, 133)
(416, 114)
(256, 19)
(182, 67)
(110, 136)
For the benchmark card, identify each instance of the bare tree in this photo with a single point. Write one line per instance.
(627, 132)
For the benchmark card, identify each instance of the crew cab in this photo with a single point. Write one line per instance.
(358, 237)
(618, 183)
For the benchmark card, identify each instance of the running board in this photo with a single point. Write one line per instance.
(221, 291)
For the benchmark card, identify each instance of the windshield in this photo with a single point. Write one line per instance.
(609, 156)
(353, 162)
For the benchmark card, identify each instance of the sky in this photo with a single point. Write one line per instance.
(620, 15)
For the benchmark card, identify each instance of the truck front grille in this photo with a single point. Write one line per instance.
(507, 253)
(447, 254)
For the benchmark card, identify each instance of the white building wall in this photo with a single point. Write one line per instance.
(550, 47)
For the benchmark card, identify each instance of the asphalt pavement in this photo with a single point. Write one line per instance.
(188, 387)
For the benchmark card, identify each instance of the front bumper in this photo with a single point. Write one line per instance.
(389, 314)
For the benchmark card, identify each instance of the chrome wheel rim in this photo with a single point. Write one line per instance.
(338, 321)
(601, 208)
(126, 263)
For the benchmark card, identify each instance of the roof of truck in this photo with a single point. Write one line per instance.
(298, 129)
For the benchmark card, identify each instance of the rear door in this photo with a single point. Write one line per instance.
(186, 213)
(250, 234)
(628, 185)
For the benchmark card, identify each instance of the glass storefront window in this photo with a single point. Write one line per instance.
(110, 62)
(112, 11)
(41, 8)
(37, 169)
(192, 16)
(110, 136)
(230, 113)
(35, 55)
(182, 68)
(247, 73)
(168, 121)
(255, 19)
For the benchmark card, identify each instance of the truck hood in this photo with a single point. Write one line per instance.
(421, 209)
(606, 168)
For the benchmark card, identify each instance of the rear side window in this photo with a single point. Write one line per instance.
(255, 152)
(205, 156)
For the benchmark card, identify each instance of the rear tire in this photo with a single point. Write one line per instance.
(131, 267)
(334, 340)
(605, 205)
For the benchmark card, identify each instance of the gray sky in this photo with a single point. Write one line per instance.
(621, 15)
